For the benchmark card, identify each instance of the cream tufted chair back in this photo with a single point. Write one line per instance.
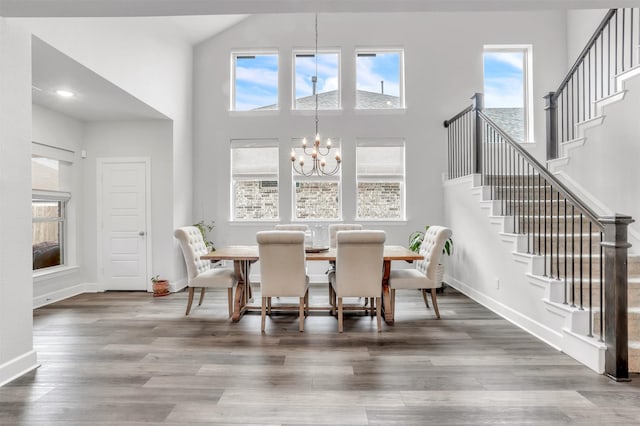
(334, 228)
(193, 247)
(431, 248)
(359, 257)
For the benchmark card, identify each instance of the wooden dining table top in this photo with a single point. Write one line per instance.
(250, 253)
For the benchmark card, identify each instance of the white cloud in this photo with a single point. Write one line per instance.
(369, 80)
(513, 59)
(258, 76)
(505, 92)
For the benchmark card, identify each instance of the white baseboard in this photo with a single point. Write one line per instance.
(586, 351)
(18, 366)
(65, 293)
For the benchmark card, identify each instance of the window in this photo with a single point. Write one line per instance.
(50, 180)
(255, 82)
(254, 179)
(316, 198)
(327, 86)
(507, 88)
(379, 79)
(380, 179)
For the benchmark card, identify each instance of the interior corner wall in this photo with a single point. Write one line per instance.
(17, 355)
(58, 130)
(443, 69)
(155, 67)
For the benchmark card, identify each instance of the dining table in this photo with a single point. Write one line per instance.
(243, 256)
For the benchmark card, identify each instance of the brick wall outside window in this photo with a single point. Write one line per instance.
(379, 200)
(253, 200)
(317, 200)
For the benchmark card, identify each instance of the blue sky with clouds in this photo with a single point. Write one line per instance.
(503, 79)
(256, 82)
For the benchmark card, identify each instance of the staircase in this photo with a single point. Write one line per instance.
(574, 279)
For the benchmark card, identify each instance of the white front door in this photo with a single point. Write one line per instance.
(122, 213)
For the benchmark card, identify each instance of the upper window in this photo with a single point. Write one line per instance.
(507, 88)
(254, 180)
(380, 177)
(316, 198)
(328, 82)
(51, 182)
(255, 82)
(379, 79)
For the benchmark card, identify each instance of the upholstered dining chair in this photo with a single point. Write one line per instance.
(359, 262)
(282, 269)
(200, 274)
(291, 227)
(428, 272)
(335, 227)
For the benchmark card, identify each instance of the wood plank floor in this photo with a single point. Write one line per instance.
(121, 358)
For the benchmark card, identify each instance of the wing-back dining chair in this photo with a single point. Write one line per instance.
(200, 274)
(282, 269)
(428, 272)
(335, 227)
(359, 262)
(291, 227)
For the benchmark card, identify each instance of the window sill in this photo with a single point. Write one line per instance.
(254, 113)
(390, 111)
(253, 222)
(53, 272)
(390, 222)
(311, 112)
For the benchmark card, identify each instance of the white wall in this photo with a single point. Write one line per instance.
(443, 62)
(152, 65)
(606, 166)
(58, 130)
(152, 139)
(581, 24)
(16, 291)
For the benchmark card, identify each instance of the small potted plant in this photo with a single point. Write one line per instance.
(160, 286)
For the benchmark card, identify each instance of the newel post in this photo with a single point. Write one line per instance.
(478, 105)
(615, 245)
(552, 128)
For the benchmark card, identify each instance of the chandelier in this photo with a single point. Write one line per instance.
(317, 152)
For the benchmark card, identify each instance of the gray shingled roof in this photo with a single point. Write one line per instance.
(329, 100)
(511, 120)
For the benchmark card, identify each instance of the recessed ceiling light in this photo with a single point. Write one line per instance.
(64, 93)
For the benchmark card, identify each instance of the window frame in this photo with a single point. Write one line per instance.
(295, 178)
(527, 83)
(310, 51)
(401, 77)
(63, 198)
(400, 178)
(233, 82)
(260, 177)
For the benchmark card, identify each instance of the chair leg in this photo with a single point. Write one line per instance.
(306, 303)
(230, 300)
(301, 315)
(424, 297)
(269, 306)
(371, 306)
(393, 302)
(191, 290)
(201, 296)
(435, 303)
(332, 300)
(263, 311)
(379, 313)
(340, 321)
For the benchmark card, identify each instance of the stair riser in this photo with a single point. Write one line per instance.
(537, 208)
(633, 294)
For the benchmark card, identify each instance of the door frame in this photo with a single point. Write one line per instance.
(100, 163)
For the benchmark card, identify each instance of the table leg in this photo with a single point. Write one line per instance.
(386, 293)
(239, 301)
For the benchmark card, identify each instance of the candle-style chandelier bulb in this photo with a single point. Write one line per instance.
(317, 153)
